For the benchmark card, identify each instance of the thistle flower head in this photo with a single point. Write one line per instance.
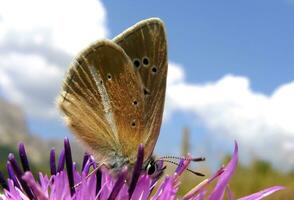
(70, 184)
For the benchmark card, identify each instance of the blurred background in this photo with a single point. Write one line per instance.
(231, 77)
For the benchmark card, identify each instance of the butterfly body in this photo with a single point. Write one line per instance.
(113, 94)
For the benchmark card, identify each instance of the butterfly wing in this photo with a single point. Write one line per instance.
(145, 44)
(101, 102)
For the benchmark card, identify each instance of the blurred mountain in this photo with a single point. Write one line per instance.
(13, 129)
(12, 122)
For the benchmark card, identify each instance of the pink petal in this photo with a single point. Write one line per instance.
(224, 179)
(183, 165)
(44, 182)
(166, 190)
(200, 187)
(142, 189)
(230, 194)
(36, 188)
(263, 193)
(201, 195)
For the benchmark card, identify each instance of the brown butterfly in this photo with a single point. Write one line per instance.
(113, 94)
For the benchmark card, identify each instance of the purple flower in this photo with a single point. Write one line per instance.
(71, 184)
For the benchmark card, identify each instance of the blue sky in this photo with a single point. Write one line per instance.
(213, 38)
(225, 50)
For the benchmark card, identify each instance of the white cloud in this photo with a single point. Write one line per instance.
(67, 25)
(262, 124)
(37, 41)
(32, 85)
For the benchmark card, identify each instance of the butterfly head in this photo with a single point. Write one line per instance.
(150, 166)
(153, 167)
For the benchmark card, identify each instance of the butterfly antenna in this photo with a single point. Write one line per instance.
(197, 159)
(190, 170)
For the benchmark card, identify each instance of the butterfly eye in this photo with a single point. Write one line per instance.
(151, 168)
(136, 63)
(154, 70)
(109, 77)
(145, 61)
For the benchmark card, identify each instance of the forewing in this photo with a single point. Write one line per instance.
(101, 102)
(145, 44)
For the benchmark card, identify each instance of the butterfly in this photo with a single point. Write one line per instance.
(113, 94)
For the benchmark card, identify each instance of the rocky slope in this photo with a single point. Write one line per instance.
(13, 129)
